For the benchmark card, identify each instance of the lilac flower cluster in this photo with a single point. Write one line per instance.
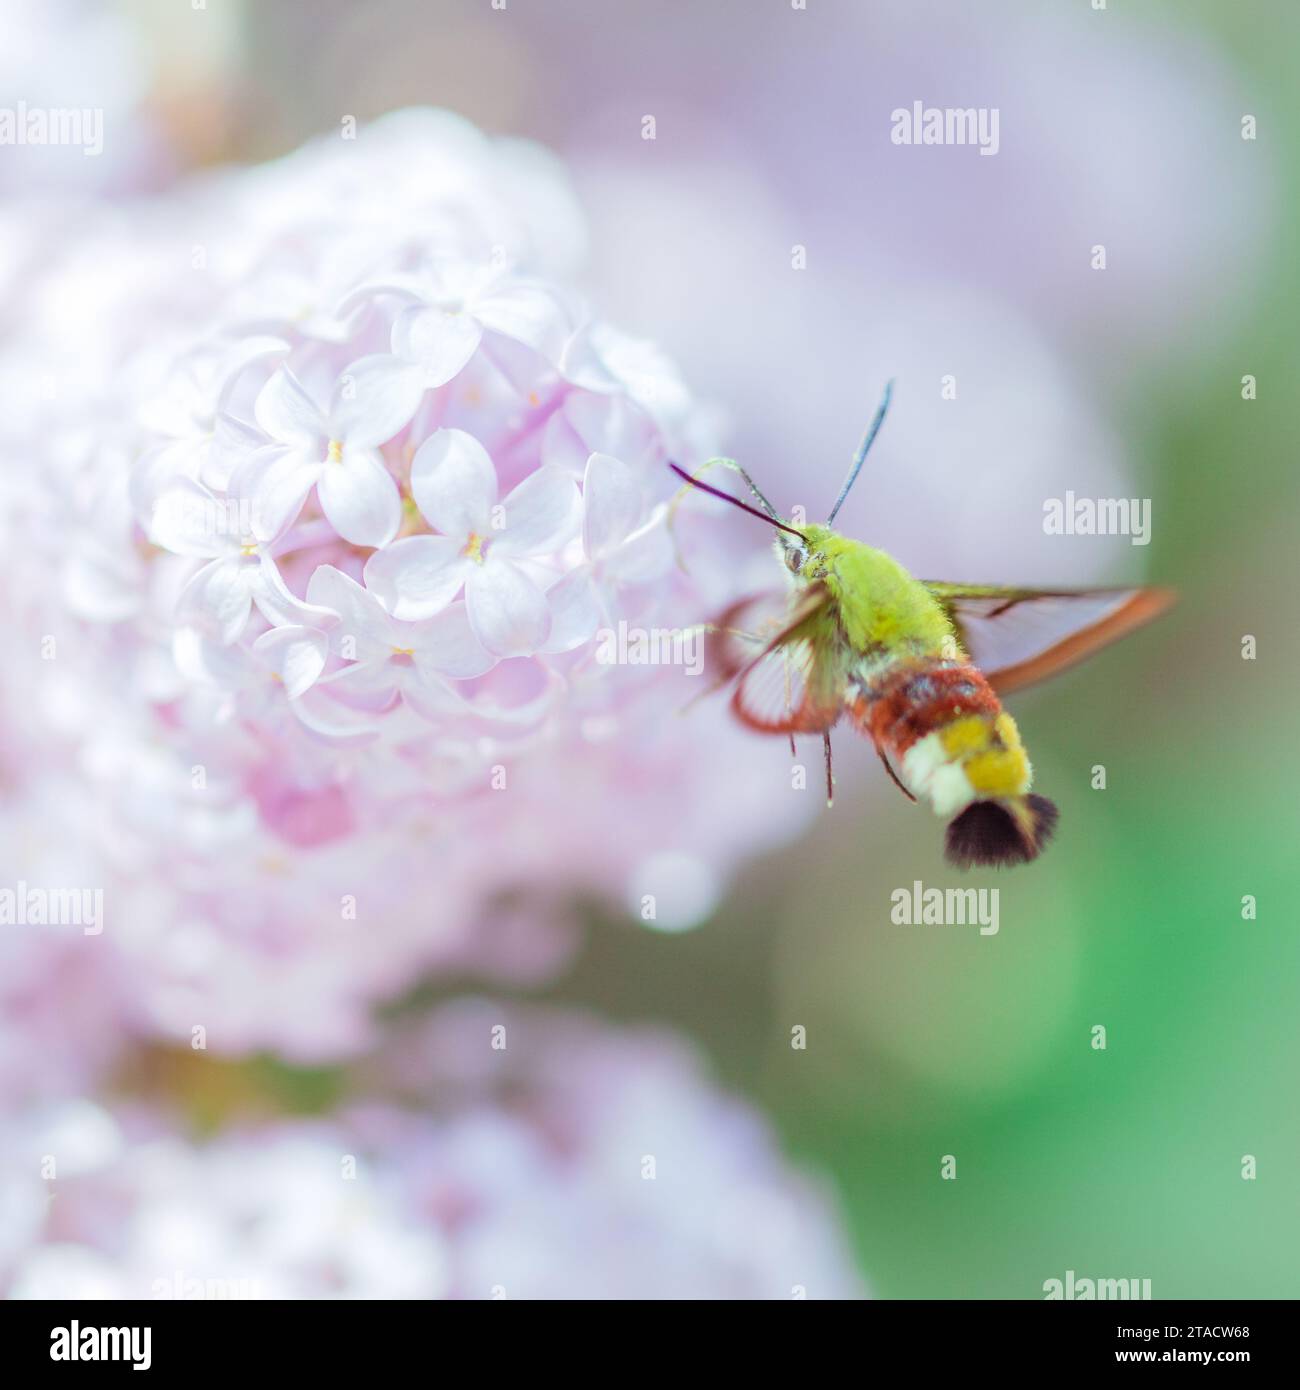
(326, 482)
(321, 485)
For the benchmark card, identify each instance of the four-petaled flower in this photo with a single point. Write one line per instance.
(387, 656)
(283, 662)
(485, 546)
(623, 542)
(449, 309)
(334, 451)
(188, 519)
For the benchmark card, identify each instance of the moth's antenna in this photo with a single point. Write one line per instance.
(736, 502)
(755, 491)
(861, 456)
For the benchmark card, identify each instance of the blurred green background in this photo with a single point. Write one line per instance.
(930, 1041)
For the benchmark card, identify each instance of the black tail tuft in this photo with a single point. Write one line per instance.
(1045, 815)
(1012, 831)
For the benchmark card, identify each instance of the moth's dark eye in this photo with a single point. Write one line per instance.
(794, 558)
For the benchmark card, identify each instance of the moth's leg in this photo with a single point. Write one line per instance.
(889, 768)
(756, 637)
(859, 705)
(830, 780)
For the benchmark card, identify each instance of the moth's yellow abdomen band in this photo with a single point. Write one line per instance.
(962, 737)
(999, 772)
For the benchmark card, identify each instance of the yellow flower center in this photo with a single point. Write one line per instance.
(335, 454)
(474, 548)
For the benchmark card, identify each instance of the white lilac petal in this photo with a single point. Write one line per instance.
(440, 342)
(603, 360)
(402, 285)
(528, 376)
(358, 495)
(562, 447)
(296, 655)
(448, 645)
(287, 412)
(187, 519)
(646, 555)
(612, 504)
(528, 710)
(584, 365)
(432, 697)
(541, 515)
(374, 398)
(333, 721)
(364, 629)
(157, 470)
(218, 599)
(415, 577)
(369, 685)
(612, 425)
(233, 442)
(587, 424)
(281, 607)
(529, 314)
(205, 662)
(202, 383)
(576, 611)
(461, 283)
(454, 484)
(274, 482)
(247, 351)
(508, 612)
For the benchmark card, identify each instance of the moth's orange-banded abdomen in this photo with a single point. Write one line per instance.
(944, 728)
(913, 699)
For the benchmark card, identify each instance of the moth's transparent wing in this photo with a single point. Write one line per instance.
(746, 629)
(796, 685)
(1017, 636)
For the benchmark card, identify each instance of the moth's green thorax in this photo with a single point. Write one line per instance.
(880, 606)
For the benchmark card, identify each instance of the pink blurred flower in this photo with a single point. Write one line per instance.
(533, 1155)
